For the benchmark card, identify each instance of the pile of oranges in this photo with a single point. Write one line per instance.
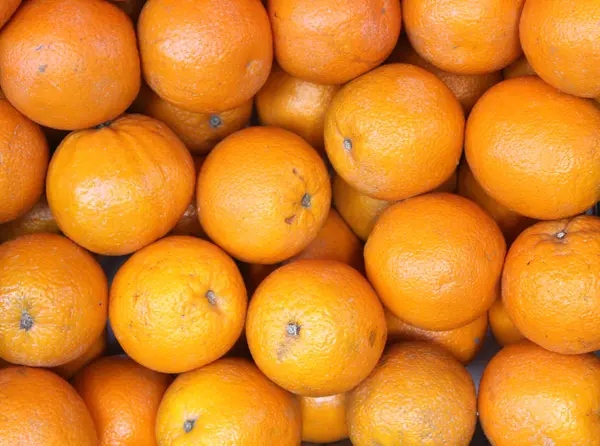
(324, 206)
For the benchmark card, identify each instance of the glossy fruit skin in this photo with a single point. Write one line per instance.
(39, 408)
(533, 149)
(123, 398)
(562, 43)
(332, 42)
(207, 56)
(69, 64)
(37, 219)
(7, 9)
(502, 327)
(24, 159)
(530, 396)
(519, 67)
(550, 284)
(463, 37)
(263, 194)
(71, 368)
(397, 145)
(178, 304)
(323, 418)
(434, 233)
(53, 300)
(312, 316)
(418, 394)
(227, 402)
(116, 211)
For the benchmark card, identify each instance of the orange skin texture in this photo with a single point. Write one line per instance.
(178, 304)
(435, 261)
(463, 343)
(200, 132)
(40, 408)
(116, 211)
(394, 146)
(295, 105)
(339, 322)
(465, 37)
(417, 395)
(123, 399)
(71, 368)
(534, 149)
(23, 162)
(502, 327)
(510, 222)
(550, 284)
(69, 64)
(562, 43)
(188, 223)
(530, 396)
(228, 402)
(324, 418)
(332, 42)
(53, 300)
(263, 194)
(519, 67)
(37, 219)
(207, 56)
(7, 9)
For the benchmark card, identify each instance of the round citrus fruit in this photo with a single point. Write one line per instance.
(519, 67)
(188, 223)
(37, 219)
(323, 418)
(70, 369)
(7, 9)
(502, 327)
(118, 188)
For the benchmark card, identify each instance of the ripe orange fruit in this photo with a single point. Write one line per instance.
(295, 105)
(332, 42)
(263, 194)
(69, 64)
(207, 56)
(316, 327)
(200, 132)
(530, 396)
(463, 342)
(465, 37)
(227, 402)
(519, 67)
(398, 144)
(123, 399)
(23, 162)
(511, 223)
(40, 408)
(177, 304)
(550, 284)
(562, 43)
(323, 418)
(7, 9)
(502, 327)
(544, 168)
(434, 233)
(118, 188)
(188, 223)
(70, 369)
(37, 219)
(53, 298)
(418, 394)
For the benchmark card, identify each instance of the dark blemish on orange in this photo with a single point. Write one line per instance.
(26, 321)
(372, 337)
(383, 10)
(347, 144)
(42, 68)
(290, 220)
(561, 235)
(295, 171)
(39, 47)
(293, 329)
(104, 124)
(477, 340)
(215, 121)
(188, 425)
(212, 297)
(305, 201)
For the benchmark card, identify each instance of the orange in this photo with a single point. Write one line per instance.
(510, 222)
(115, 189)
(53, 298)
(529, 396)
(263, 194)
(23, 163)
(332, 42)
(550, 284)
(428, 267)
(39, 408)
(534, 149)
(316, 327)
(7, 9)
(123, 399)
(465, 37)
(177, 304)
(463, 342)
(562, 43)
(37, 219)
(324, 418)
(207, 56)
(502, 327)
(188, 223)
(295, 105)
(395, 145)
(227, 402)
(519, 67)
(69, 64)
(417, 395)
(70, 369)
(200, 132)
